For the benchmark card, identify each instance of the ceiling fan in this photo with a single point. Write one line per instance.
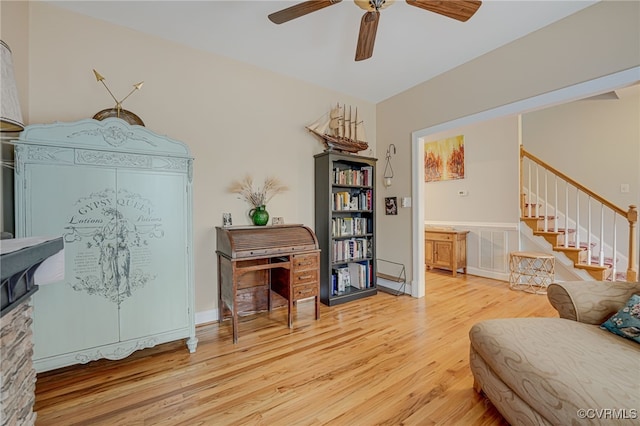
(460, 10)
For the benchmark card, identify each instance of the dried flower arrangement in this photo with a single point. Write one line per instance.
(259, 196)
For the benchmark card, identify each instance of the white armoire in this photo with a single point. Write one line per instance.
(121, 198)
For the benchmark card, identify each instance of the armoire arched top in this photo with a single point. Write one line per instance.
(109, 134)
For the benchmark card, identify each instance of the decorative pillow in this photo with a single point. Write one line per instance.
(626, 322)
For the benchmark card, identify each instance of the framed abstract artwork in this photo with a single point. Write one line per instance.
(444, 159)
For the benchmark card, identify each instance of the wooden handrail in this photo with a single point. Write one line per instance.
(524, 153)
(631, 214)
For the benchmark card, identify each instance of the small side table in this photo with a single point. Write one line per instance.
(530, 271)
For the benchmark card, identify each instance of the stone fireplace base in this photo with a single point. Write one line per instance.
(17, 375)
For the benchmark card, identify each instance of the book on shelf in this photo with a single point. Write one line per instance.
(358, 273)
(345, 200)
(368, 175)
(343, 278)
(353, 248)
(348, 226)
(354, 274)
(353, 177)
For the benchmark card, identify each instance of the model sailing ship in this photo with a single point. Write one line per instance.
(340, 130)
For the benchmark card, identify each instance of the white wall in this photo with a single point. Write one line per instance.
(236, 118)
(490, 210)
(573, 50)
(596, 142)
(14, 26)
(491, 170)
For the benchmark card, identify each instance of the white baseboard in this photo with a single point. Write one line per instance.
(393, 286)
(206, 316)
(500, 276)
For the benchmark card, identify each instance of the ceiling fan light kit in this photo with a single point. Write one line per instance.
(373, 5)
(460, 10)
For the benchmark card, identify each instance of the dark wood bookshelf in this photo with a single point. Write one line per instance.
(326, 187)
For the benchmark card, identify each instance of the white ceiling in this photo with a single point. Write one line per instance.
(412, 44)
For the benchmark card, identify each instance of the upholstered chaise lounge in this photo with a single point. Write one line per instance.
(562, 371)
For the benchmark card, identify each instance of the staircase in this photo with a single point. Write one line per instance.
(578, 255)
(561, 210)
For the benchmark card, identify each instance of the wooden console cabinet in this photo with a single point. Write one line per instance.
(445, 249)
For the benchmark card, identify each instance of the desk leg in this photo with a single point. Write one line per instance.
(234, 303)
(290, 298)
(220, 304)
(234, 320)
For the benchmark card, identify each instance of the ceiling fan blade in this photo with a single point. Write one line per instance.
(461, 10)
(367, 35)
(299, 10)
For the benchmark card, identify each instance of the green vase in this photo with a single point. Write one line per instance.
(259, 216)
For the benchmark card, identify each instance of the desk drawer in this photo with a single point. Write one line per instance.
(304, 291)
(305, 261)
(304, 277)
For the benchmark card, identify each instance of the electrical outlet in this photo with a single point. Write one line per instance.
(463, 193)
(624, 187)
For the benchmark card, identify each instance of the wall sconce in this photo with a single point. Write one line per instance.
(388, 170)
(11, 116)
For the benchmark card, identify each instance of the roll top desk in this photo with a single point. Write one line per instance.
(254, 262)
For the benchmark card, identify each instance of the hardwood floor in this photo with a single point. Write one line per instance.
(384, 360)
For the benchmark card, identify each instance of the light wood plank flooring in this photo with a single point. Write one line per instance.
(384, 360)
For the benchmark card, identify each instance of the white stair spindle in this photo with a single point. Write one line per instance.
(555, 205)
(529, 191)
(546, 203)
(577, 218)
(615, 249)
(601, 260)
(566, 214)
(589, 231)
(537, 190)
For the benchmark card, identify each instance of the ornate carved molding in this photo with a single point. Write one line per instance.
(45, 153)
(118, 352)
(105, 158)
(18, 161)
(48, 154)
(113, 135)
(173, 163)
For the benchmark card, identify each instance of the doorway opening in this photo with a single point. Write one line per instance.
(567, 94)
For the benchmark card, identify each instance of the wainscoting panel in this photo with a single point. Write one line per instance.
(492, 249)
